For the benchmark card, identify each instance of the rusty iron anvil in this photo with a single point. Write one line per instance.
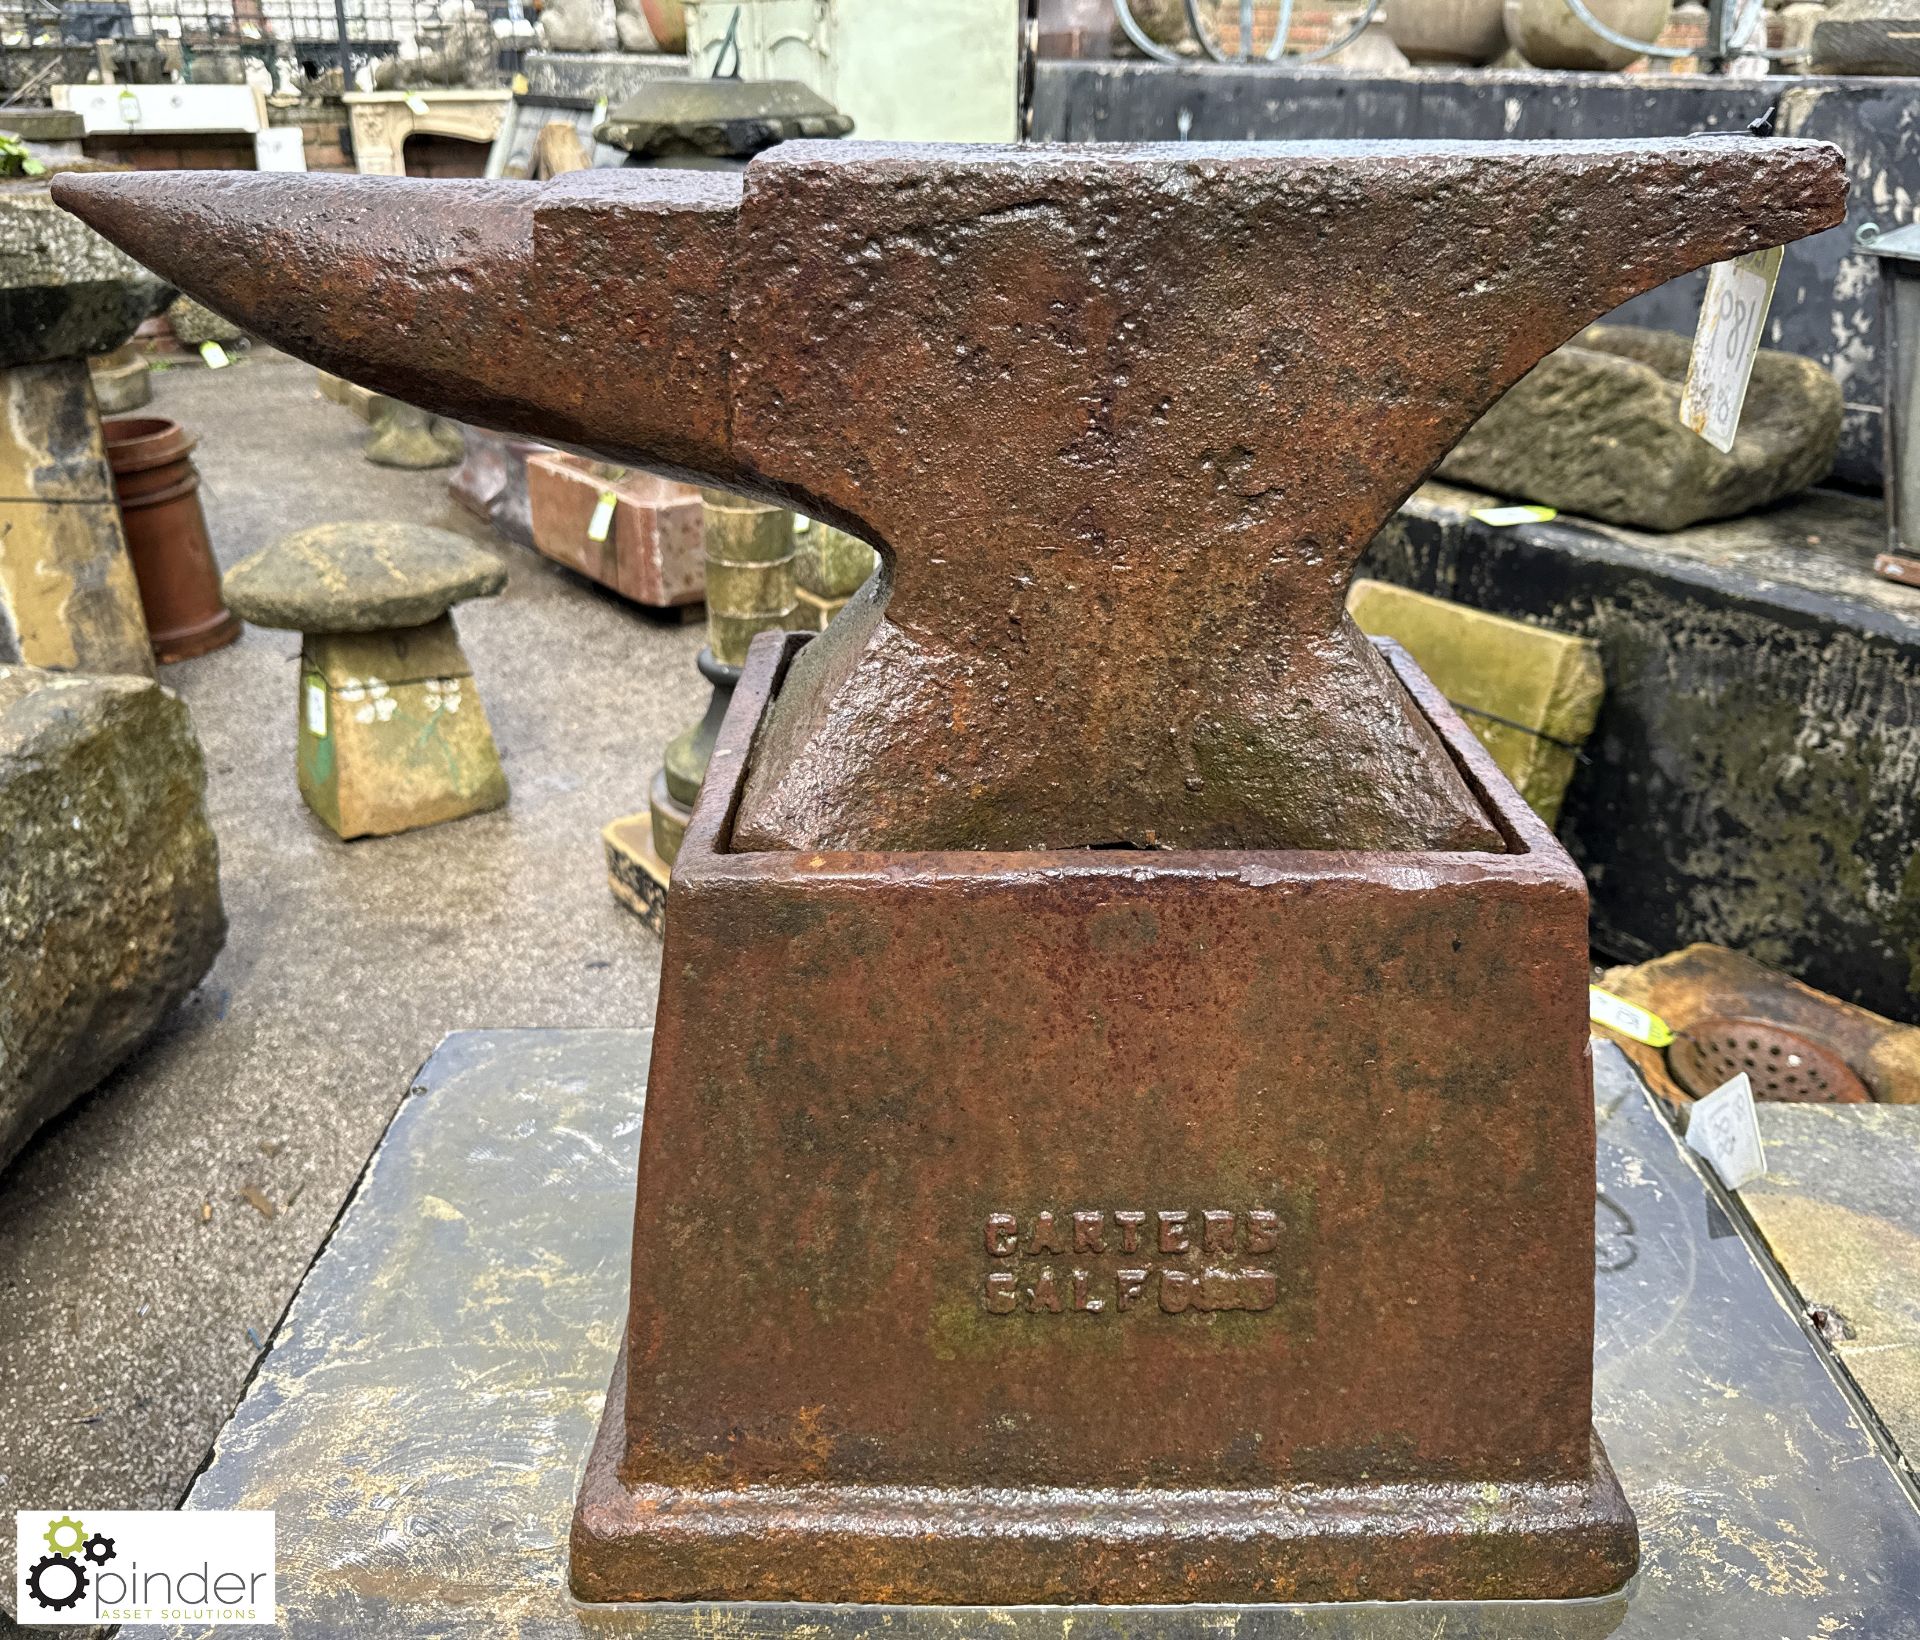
(1068, 1225)
(1120, 420)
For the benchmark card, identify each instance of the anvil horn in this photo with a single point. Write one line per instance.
(592, 310)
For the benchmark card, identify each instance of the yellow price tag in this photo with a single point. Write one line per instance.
(602, 520)
(1506, 517)
(1628, 1018)
(215, 355)
(520, 85)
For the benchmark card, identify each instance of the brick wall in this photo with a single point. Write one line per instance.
(323, 128)
(173, 151)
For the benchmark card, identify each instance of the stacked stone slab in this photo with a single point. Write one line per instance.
(110, 899)
(1868, 37)
(68, 599)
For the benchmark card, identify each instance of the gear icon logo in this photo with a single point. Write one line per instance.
(56, 1581)
(59, 1579)
(65, 1535)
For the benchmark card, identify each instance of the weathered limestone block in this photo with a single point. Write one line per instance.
(1530, 696)
(1595, 428)
(64, 291)
(110, 901)
(194, 324)
(1868, 37)
(68, 598)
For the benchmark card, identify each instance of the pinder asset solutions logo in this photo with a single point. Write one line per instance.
(144, 1566)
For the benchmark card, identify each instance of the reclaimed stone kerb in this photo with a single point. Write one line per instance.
(965, 1134)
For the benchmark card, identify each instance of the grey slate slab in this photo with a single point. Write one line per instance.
(419, 1422)
(1840, 1210)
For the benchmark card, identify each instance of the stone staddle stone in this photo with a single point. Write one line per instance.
(408, 437)
(361, 577)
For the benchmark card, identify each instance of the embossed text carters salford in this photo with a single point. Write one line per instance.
(1171, 1260)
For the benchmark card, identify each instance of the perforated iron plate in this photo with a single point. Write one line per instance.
(1781, 1063)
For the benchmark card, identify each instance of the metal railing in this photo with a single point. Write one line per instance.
(1723, 18)
(43, 41)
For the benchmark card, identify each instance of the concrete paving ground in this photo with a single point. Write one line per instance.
(129, 1319)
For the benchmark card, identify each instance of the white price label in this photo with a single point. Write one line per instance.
(1725, 1131)
(602, 520)
(1724, 343)
(1629, 1019)
(417, 103)
(215, 355)
(316, 707)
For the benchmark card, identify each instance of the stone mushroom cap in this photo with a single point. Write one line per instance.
(361, 577)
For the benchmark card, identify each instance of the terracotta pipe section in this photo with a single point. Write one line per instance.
(159, 494)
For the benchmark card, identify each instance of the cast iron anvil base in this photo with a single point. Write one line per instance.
(1111, 1226)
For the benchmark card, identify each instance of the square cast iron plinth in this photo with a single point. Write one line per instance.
(1111, 1226)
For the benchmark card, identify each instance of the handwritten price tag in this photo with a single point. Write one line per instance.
(1507, 517)
(1725, 1130)
(1724, 344)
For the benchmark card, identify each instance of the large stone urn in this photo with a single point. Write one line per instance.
(1549, 35)
(1447, 31)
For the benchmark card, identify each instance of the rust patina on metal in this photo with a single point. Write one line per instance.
(1210, 1222)
(1119, 418)
(1107, 1226)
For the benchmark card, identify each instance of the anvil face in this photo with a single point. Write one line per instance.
(1120, 419)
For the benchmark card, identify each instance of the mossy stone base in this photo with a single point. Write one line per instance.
(392, 733)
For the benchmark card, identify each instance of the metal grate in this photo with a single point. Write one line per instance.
(44, 41)
(1781, 1064)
